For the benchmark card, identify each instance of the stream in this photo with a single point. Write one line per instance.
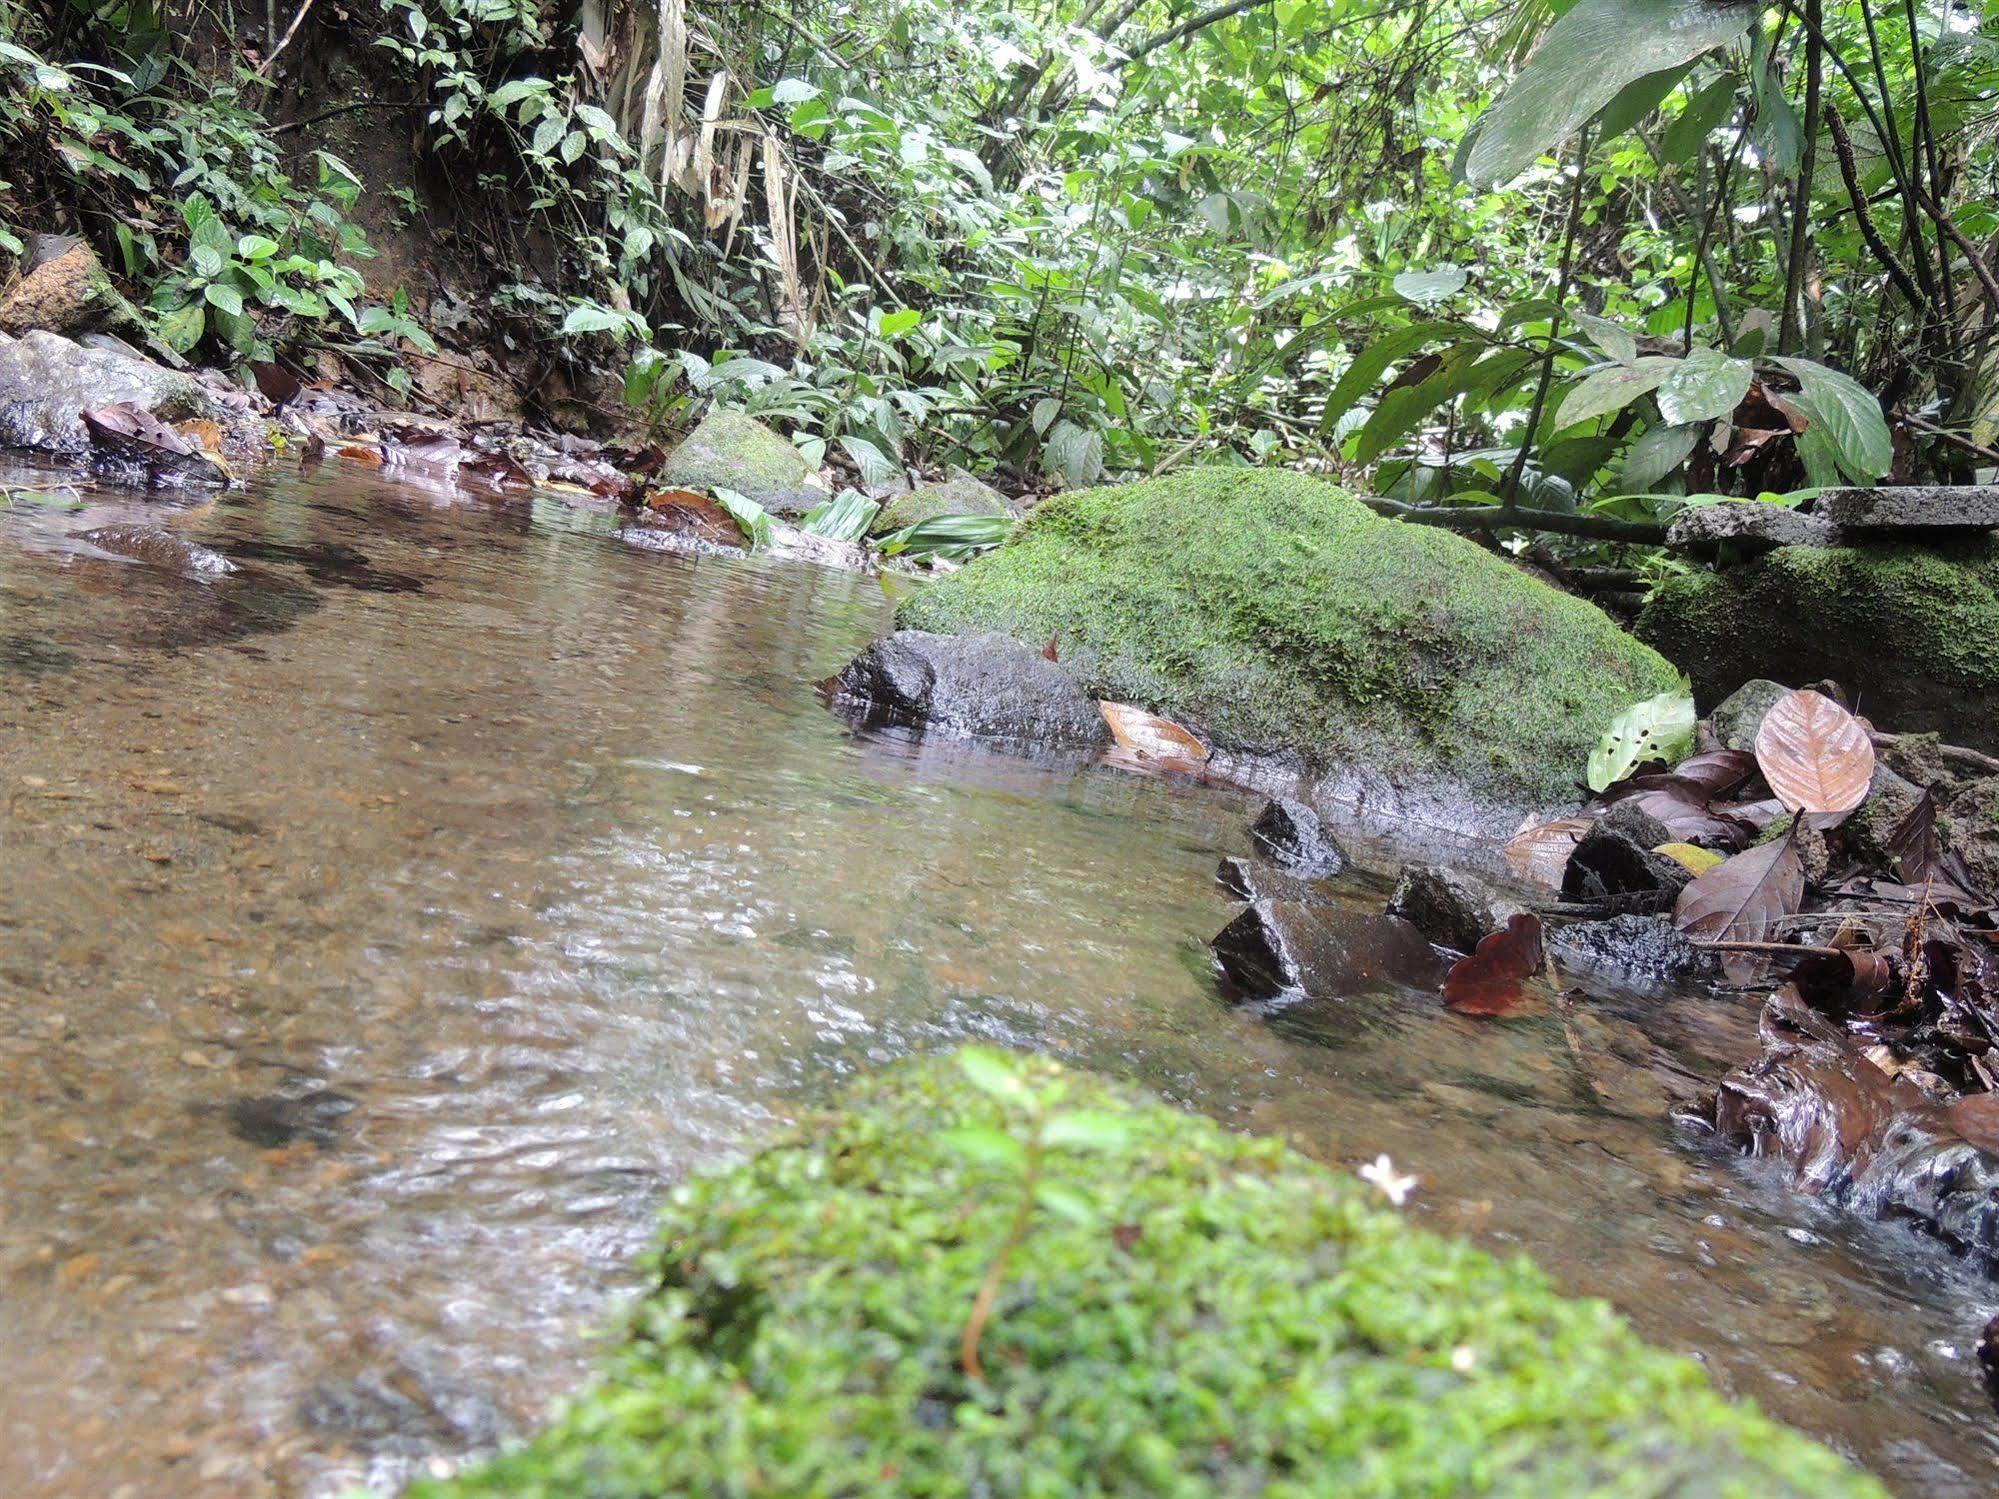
(384, 927)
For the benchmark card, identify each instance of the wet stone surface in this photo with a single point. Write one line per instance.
(556, 865)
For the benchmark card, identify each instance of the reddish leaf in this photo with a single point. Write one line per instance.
(1848, 981)
(1913, 845)
(1743, 900)
(1493, 979)
(279, 385)
(1048, 650)
(1539, 852)
(1689, 819)
(494, 471)
(1152, 738)
(1815, 755)
(128, 425)
(685, 512)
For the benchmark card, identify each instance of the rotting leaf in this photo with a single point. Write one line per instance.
(1492, 980)
(1695, 860)
(1844, 980)
(1815, 755)
(1743, 900)
(1152, 738)
(1539, 852)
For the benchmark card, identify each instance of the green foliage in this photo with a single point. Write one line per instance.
(1222, 1317)
(949, 537)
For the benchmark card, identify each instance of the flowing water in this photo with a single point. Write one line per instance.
(385, 926)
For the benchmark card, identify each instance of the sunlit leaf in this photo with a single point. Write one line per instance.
(1660, 728)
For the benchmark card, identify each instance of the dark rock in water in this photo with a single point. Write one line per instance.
(273, 1119)
(1913, 507)
(1854, 1134)
(1295, 948)
(1253, 879)
(160, 547)
(402, 1409)
(1634, 949)
(1745, 528)
(982, 686)
(1614, 861)
(1292, 834)
(1450, 908)
(1737, 717)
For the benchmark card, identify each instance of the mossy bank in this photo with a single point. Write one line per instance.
(1275, 612)
(1210, 1315)
(1911, 632)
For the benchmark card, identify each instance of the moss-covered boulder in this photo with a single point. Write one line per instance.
(1274, 611)
(1912, 632)
(959, 494)
(1193, 1313)
(728, 450)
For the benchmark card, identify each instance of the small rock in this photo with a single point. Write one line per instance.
(1615, 860)
(1972, 832)
(160, 548)
(982, 686)
(1890, 800)
(1276, 949)
(1450, 908)
(1737, 717)
(960, 494)
(729, 450)
(1913, 507)
(273, 1119)
(1635, 949)
(1253, 880)
(63, 289)
(1292, 834)
(1746, 527)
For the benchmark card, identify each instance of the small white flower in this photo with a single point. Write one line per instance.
(1381, 1173)
(1462, 1358)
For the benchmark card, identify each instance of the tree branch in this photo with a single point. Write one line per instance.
(1191, 25)
(1491, 517)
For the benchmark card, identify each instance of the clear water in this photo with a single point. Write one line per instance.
(542, 858)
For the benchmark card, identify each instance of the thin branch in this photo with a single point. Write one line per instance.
(1188, 27)
(264, 68)
(1489, 517)
(1842, 147)
(1509, 494)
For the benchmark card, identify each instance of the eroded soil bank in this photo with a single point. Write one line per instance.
(389, 921)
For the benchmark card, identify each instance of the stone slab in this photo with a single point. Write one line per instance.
(1913, 507)
(1747, 526)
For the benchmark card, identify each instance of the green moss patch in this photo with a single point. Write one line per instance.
(729, 450)
(1224, 1318)
(1274, 611)
(960, 494)
(1911, 632)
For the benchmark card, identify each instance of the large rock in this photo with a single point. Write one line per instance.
(728, 450)
(1271, 611)
(960, 494)
(1743, 528)
(1209, 1314)
(1924, 508)
(986, 687)
(1280, 949)
(1908, 631)
(63, 288)
(46, 380)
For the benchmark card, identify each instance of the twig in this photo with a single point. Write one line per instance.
(290, 31)
(1485, 517)
(1954, 438)
(1976, 759)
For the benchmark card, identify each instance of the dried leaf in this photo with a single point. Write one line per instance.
(686, 512)
(1048, 650)
(359, 454)
(494, 471)
(203, 433)
(1815, 755)
(1846, 981)
(1150, 737)
(1913, 845)
(1539, 852)
(1742, 900)
(1493, 979)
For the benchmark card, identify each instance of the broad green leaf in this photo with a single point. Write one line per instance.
(994, 1147)
(1076, 453)
(1612, 389)
(1660, 728)
(991, 1072)
(846, 517)
(1426, 288)
(1656, 453)
(1637, 99)
(751, 517)
(875, 466)
(1845, 415)
(1706, 385)
(948, 536)
(1065, 1202)
(895, 324)
(1584, 62)
(225, 297)
(1372, 362)
(1619, 342)
(1705, 113)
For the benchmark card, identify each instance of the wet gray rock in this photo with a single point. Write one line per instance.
(1448, 907)
(1614, 862)
(1737, 717)
(402, 1409)
(1254, 879)
(1291, 949)
(1292, 834)
(271, 1120)
(1643, 950)
(959, 494)
(46, 381)
(981, 686)
(1913, 508)
(159, 547)
(1745, 528)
